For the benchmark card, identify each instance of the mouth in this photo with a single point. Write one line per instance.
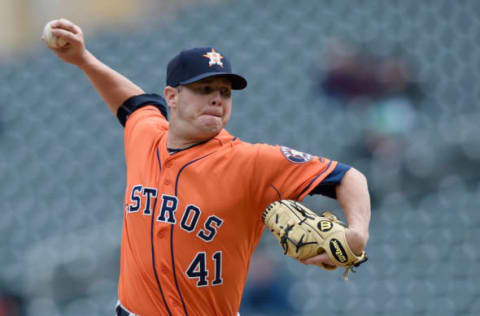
(212, 113)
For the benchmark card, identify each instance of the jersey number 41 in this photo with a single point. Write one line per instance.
(198, 269)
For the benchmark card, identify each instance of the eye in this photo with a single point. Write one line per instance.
(225, 92)
(206, 89)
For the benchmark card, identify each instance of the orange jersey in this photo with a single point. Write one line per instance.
(193, 219)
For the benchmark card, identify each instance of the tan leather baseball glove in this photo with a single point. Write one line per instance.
(304, 234)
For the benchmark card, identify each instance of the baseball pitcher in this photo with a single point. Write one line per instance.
(197, 198)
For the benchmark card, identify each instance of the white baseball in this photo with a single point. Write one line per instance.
(52, 40)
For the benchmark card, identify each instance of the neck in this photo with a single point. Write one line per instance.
(180, 142)
(184, 135)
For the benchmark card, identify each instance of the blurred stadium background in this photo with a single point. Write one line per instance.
(390, 87)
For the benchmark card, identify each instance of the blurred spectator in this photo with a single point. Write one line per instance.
(11, 304)
(392, 113)
(266, 288)
(385, 87)
(348, 73)
(353, 72)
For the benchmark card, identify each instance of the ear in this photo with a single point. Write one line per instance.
(171, 96)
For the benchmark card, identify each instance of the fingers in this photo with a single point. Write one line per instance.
(65, 25)
(66, 35)
(320, 260)
(65, 29)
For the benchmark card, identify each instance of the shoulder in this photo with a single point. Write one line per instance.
(136, 103)
(267, 151)
(144, 126)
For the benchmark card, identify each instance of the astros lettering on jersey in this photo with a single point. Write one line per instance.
(193, 219)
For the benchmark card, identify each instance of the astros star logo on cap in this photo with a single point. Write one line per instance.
(215, 58)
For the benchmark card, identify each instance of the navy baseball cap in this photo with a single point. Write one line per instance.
(195, 64)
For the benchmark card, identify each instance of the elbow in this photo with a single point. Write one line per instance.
(359, 176)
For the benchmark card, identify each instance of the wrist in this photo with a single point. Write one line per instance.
(86, 61)
(357, 239)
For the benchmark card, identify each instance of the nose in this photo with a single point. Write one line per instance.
(216, 98)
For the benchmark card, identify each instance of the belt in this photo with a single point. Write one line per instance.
(122, 311)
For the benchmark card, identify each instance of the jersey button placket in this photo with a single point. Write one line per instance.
(168, 166)
(165, 270)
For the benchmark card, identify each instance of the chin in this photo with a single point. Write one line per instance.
(213, 131)
(213, 125)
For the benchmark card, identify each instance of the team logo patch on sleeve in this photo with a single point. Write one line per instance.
(295, 156)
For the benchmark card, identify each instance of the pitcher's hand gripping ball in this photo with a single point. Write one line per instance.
(52, 40)
(304, 234)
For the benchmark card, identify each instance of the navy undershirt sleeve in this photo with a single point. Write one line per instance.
(134, 103)
(328, 186)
